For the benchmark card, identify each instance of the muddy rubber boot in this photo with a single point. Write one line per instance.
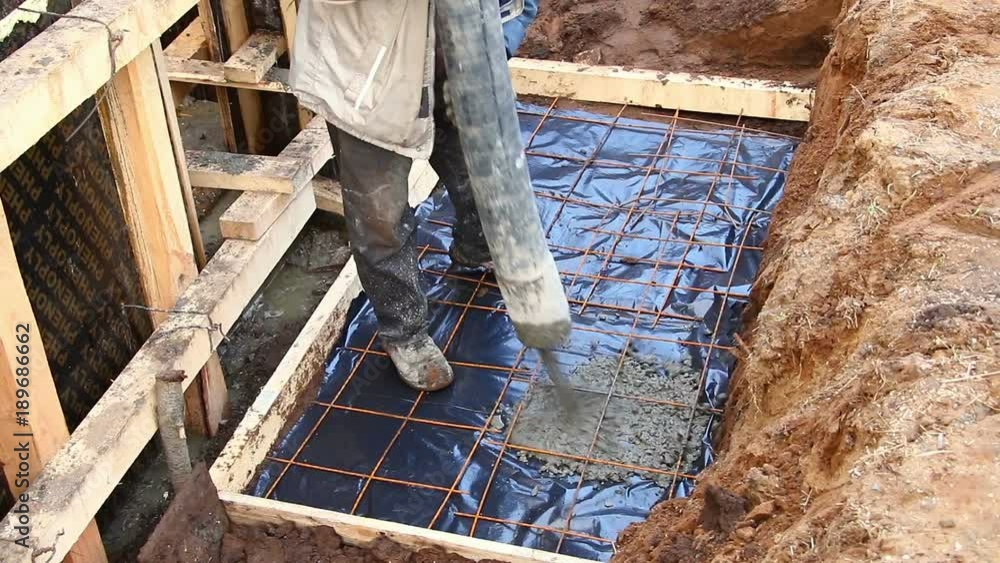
(420, 363)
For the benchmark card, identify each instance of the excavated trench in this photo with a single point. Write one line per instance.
(861, 419)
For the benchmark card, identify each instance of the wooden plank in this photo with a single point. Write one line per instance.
(207, 401)
(51, 75)
(329, 196)
(247, 172)
(213, 74)
(733, 96)
(708, 94)
(236, 31)
(44, 430)
(190, 44)
(252, 214)
(262, 424)
(360, 531)
(142, 147)
(206, 16)
(80, 477)
(257, 55)
(138, 138)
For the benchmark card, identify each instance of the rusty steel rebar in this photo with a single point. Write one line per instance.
(637, 207)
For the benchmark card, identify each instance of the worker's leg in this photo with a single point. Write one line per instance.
(381, 227)
(469, 247)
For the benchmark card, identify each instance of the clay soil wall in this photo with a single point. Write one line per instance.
(863, 423)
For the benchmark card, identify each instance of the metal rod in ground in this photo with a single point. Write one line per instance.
(170, 420)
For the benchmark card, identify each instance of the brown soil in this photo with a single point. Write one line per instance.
(195, 529)
(287, 544)
(862, 424)
(771, 39)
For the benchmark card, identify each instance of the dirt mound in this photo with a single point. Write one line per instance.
(863, 422)
(775, 39)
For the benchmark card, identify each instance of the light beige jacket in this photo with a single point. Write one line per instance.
(367, 66)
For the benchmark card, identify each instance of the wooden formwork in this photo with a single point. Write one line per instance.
(68, 63)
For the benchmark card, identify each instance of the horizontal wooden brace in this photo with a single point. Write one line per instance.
(213, 74)
(686, 92)
(650, 88)
(257, 55)
(252, 213)
(329, 196)
(246, 172)
(190, 44)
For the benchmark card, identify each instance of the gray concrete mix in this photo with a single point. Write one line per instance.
(634, 432)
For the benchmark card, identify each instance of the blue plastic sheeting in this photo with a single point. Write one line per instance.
(657, 229)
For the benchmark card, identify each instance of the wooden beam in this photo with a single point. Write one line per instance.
(263, 422)
(213, 74)
(708, 94)
(44, 429)
(208, 401)
(190, 44)
(138, 139)
(361, 532)
(687, 92)
(51, 75)
(257, 55)
(247, 172)
(329, 196)
(206, 16)
(152, 189)
(236, 31)
(254, 212)
(76, 482)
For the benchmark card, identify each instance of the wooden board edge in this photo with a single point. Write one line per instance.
(361, 531)
(607, 84)
(55, 72)
(255, 57)
(649, 88)
(267, 416)
(263, 422)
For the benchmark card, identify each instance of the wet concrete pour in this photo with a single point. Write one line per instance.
(634, 432)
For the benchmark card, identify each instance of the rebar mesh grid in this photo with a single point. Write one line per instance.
(657, 249)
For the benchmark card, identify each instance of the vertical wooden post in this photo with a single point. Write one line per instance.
(206, 15)
(41, 425)
(136, 127)
(208, 400)
(289, 16)
(235, 31)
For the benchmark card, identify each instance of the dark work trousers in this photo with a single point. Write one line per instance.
(382, 226)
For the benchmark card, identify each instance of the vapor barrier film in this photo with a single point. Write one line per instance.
(657, 228)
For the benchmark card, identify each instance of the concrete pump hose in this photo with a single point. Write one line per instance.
(483, 104)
